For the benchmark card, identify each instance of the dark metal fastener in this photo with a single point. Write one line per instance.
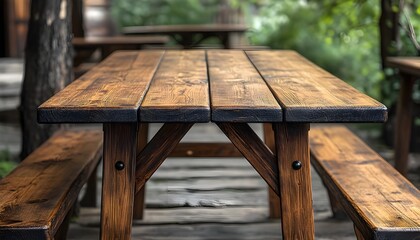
(119, 165)
(296, 165)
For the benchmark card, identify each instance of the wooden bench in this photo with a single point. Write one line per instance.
(380, 201)
(36, 197)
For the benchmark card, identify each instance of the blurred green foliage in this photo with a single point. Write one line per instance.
(6, 164)
(342, 36)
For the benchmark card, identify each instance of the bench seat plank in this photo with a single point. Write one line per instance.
(380, 201)
(308, 93)
(179, 91)
(36, 196)
(238, 93)
(111, 92)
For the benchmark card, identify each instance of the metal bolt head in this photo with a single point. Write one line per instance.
(296, 165)
(119, 165)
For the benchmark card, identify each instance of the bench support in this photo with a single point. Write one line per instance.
(139, 199)
(294, 180)
(118, 180)
(273, 198)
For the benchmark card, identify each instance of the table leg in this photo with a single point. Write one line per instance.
(140, 195)
(292, 150)
(273, 199)
(403, 124)
(118, 180)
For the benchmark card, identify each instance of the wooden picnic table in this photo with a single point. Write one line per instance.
(109, 44)
(409, 68)
(190, 36)
(230, 88)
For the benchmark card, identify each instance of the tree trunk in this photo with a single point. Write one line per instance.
(48, 66)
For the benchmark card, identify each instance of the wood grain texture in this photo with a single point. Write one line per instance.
(297, 214)
(404, 120)
(118, 185)
(37, 195)
(179, 91)
(158, 149)
(254, 150)
(381, 202)
(205, 149)
(110, 92)
(274, 205)
(410, 65)
(139, 198)
(238, 93)
(309, 94)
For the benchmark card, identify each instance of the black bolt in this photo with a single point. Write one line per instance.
(296, 165)
(119, 165)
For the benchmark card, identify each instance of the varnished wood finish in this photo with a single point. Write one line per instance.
(381, 202)
(254, 150)
(143, 133)
(158, 149)
(273, 198)
(179, 91)
(309, 94)
(238, 93)
(111, 92)
(297, 214)
(37, 195)
(205, 149)
(410, 65)
(118, 185)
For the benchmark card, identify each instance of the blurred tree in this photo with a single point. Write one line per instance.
(48, 66)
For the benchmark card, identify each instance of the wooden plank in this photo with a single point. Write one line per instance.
(297, 214)
(110, 92)
(410, 65)
(37, 195)
(254, 150)
(118, 180)
(205, 149)
(157, 150)
(179, 91)
(381, 202)
(238, 93)
(309, 94)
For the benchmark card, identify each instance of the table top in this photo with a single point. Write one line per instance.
(405, 64)
(118, 40)
(209, 85)
(194, 28)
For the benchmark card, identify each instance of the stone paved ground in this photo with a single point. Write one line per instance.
(196, 198)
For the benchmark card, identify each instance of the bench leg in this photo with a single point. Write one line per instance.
(295, 183)
(140, 196)
(273, 199)
(358, 233)
(119, 164)
(336, 208)
(403, 124)
(62, 231)
(90, 197)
